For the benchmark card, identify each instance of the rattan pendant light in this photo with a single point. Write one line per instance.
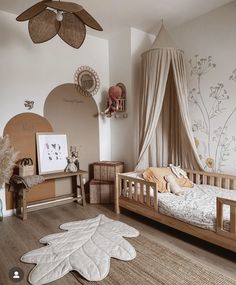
(49, 18)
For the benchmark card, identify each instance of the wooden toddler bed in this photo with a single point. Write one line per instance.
(142, 197)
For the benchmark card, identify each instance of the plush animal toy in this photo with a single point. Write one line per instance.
(71, 167)
(172, 185)
(178, 171)
(114, 93)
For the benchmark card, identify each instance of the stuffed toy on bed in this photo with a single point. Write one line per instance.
(172, 185)
(158, 174)
(178, 171)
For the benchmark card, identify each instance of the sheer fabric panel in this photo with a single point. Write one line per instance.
(165, 128)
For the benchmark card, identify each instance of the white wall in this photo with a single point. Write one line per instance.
(29, 71)
(213, 35)
(120, 71)
(125, 49)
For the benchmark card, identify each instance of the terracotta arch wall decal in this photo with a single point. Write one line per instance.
(21, 130)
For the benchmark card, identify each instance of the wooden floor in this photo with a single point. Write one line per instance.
(18, 237)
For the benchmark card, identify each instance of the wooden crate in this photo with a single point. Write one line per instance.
(101, 192)
(106, 170)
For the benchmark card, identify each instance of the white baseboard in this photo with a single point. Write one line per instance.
(8, 213)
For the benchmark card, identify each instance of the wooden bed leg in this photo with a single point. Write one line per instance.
(117, 208)
(117, 194)
(18, 201)
(24, 205)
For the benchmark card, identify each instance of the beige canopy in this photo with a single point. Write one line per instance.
(164, 122)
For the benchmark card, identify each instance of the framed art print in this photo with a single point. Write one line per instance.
(52, 152)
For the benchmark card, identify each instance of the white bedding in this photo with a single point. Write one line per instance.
(197, 206)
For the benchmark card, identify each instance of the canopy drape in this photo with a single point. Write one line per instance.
(164, 121)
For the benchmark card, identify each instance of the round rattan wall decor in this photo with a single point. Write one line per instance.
(87, 81)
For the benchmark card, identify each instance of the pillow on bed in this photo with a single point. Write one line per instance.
(157, 175)
(184, 182)
(181, 176)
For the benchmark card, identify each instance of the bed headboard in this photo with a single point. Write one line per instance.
(216, 179)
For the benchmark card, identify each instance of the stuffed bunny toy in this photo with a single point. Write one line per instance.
(71, 167)
(178, 171)
(172, 185)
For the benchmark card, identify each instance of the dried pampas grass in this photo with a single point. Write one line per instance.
(8, 157)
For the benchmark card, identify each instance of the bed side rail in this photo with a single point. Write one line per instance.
(135, 190)
(215, 179)
(231, 232)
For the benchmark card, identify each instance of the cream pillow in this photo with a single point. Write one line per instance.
(181, 176)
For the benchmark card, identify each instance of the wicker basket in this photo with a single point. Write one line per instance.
(101, 192)
(26, 167)
(106, 170)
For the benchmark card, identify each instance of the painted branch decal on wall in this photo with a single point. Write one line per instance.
(216, 142)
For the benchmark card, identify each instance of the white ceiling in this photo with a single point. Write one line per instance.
(141, 14)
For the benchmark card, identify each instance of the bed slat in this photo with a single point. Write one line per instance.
(219, 181)
(219, 211)
(148, 196)
(204, 179)
(130, 189)
(233, 220)
(212, 180)
(125, 186)
(234, 185)
(141, 192)
(155, 200)
(135, 191)
(227, 183)
(198, 178)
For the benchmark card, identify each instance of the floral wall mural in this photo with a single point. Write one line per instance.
(213, 114)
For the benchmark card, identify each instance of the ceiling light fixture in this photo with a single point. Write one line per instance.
(59, 16)
(49, 18)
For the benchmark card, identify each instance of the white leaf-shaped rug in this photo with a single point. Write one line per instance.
(85, 247)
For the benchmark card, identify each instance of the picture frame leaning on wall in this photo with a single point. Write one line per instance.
(52, 152)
